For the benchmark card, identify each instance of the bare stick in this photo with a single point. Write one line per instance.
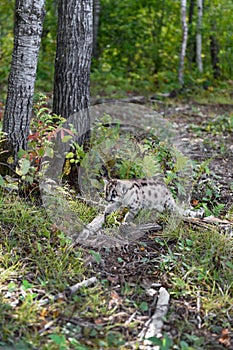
(71, 290)
(85, 283)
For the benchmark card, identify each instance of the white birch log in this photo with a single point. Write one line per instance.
(153, 327)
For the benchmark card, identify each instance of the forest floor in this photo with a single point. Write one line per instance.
(207, 130)
(193, 264)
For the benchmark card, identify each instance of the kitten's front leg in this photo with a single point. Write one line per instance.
(111, 208)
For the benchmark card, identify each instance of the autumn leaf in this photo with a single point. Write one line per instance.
(225, 338)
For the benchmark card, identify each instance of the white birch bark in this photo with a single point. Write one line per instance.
(199, 35)
(184, 41)
(29, 16)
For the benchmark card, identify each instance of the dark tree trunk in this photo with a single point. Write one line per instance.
(96, 14)
(214, 53)
(72, 77)
(29, 16)
(73, 61)
(191, 46)
(191, 11)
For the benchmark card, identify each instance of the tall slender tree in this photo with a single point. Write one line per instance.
(184, 41)
(96, 14)
(199, 35)
(191, 45)
(214, 51)
(29, 16)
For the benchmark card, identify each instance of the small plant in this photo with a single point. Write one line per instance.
(164, 343)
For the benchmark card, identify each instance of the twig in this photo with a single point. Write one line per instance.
(198, 311)
(85, 283)
(71, 290)
(130, 319)
(46, 327)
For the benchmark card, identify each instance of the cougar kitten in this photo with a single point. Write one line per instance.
(139, 194)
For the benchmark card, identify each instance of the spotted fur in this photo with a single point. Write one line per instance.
(141, 194)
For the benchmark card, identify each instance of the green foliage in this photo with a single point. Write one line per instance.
(46, 60)
(135, 44)
(220, 124)
(44, 130)
(115, 153)
(138, 46)
(6, 41)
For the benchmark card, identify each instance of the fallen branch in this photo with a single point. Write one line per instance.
(153, 327)
(212, 223)
(85, 283)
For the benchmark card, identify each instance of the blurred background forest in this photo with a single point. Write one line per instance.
(138, 47)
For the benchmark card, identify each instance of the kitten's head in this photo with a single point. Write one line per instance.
(114, 190)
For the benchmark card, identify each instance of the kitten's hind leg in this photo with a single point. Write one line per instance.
(198, 213)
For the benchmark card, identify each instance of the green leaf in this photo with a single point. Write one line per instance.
(49, 152)
(155, 340)
(22, 153)
(24, 166)
(26, 284)
(66, 138)
(144, 306)
(96, 256)
(70, 155)
(41, 152)
(229, 264)
(59, 340)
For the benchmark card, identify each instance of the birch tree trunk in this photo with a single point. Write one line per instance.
(29, 17)
(96, 14)
(199, 35)
(73, 61)
(184, 41)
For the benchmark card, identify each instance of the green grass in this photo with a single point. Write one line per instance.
(36, 261)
